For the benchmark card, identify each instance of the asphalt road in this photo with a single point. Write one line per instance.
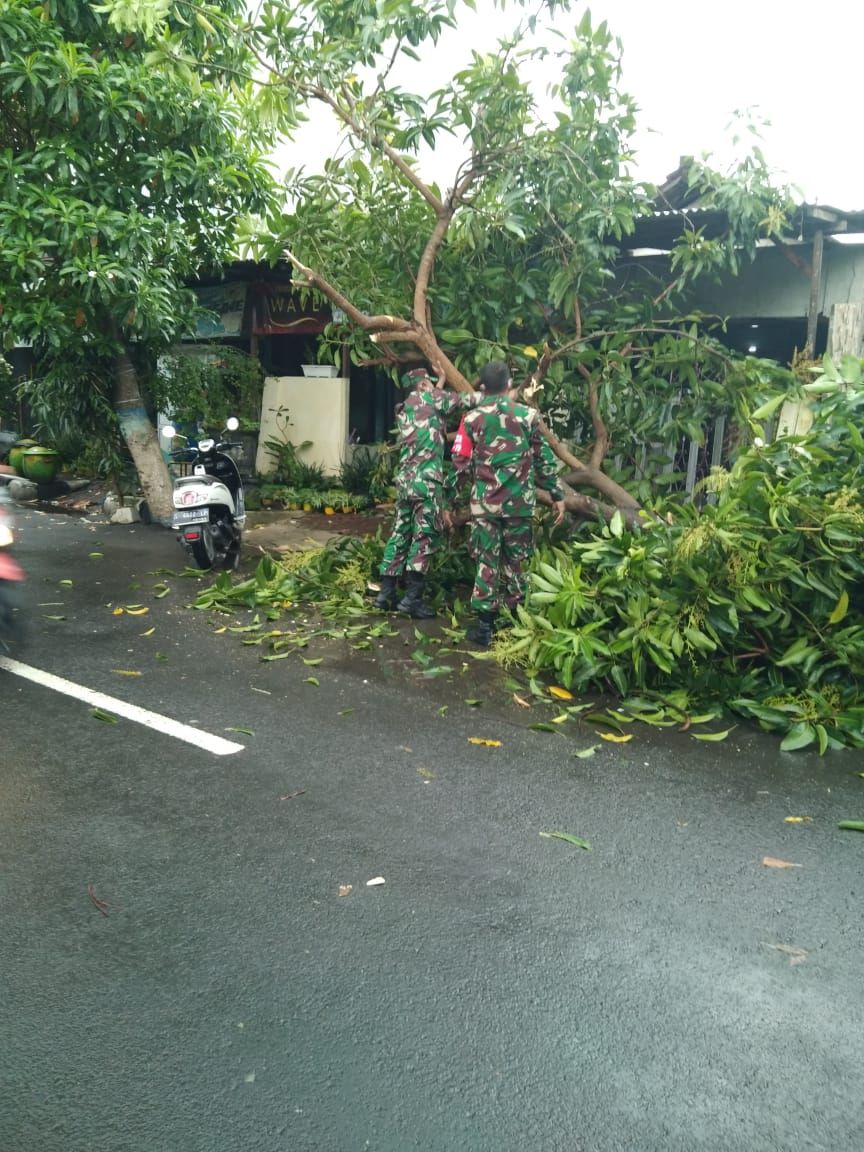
(501, 992)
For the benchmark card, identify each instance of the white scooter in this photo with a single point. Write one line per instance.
(209, 509)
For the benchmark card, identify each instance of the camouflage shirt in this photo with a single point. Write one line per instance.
(422, 431)
(509, 456)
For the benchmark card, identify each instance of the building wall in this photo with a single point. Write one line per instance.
(317, 408)
(772, 287)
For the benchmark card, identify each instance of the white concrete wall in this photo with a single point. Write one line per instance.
(318, 410)
(772, 287)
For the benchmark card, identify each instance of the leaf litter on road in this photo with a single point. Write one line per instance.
(796, 955)
(102, 905)
(105, 717)
(773, 862)
(484, 742)
(560, 693)
(576, 841)
(713, 737)
(852, 825)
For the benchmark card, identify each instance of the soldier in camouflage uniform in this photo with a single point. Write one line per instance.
(419, 491)
(504, 451)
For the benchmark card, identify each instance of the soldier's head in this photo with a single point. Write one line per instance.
(494, 377)
(417, 377)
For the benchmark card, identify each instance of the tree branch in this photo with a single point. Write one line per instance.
(350, 120)
(361, 319)
(433, 244)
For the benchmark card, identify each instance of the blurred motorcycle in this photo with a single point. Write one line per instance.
(11, 582)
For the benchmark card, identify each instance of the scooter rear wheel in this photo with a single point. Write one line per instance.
(204, 548)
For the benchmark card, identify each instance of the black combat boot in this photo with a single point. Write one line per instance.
(412, 602)
(482, 632)
(386, 597)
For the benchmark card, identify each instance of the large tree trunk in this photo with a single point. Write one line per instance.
(141, 440)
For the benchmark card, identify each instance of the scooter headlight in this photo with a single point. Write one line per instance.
(7, 537)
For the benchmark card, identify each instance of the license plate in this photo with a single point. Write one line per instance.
(190, 516)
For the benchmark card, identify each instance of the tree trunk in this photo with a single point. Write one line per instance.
(141, 440)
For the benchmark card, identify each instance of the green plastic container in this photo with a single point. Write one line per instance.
(40, 465)
(16, 454)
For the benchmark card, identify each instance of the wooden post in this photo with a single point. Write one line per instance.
(815, 293)
(846, 331)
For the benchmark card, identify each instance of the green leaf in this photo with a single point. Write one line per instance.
(840, 608)
(442, 711)
(473, 703)
(576, 841)
(586, 753)
(712, 737)
(243, 731)
(314, 660)
(105, 717)
(798, 737)
(311, 680)
(852, 825)
(542, 727)
(769, 408)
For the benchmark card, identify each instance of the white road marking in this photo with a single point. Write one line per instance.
(164, 724)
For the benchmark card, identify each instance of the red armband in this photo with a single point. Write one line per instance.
(462, 446)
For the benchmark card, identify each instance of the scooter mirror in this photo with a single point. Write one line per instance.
(232, 423)
(169, 431)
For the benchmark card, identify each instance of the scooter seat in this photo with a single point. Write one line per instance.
(208, 478)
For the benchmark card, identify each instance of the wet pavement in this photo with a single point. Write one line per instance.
(664, 992)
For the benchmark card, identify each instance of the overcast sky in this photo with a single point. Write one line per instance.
(690, 65)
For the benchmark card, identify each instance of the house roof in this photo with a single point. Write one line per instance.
(679, 206)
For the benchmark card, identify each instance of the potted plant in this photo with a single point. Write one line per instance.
(40, 465)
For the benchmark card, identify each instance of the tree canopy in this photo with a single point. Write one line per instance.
(119, 181)
(515, 251)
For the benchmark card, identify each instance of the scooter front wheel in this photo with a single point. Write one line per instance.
(204, 548)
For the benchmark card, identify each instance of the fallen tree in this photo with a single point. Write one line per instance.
(752, 604)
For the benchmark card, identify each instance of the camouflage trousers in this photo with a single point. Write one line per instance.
(415, 536)
(501, 547)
